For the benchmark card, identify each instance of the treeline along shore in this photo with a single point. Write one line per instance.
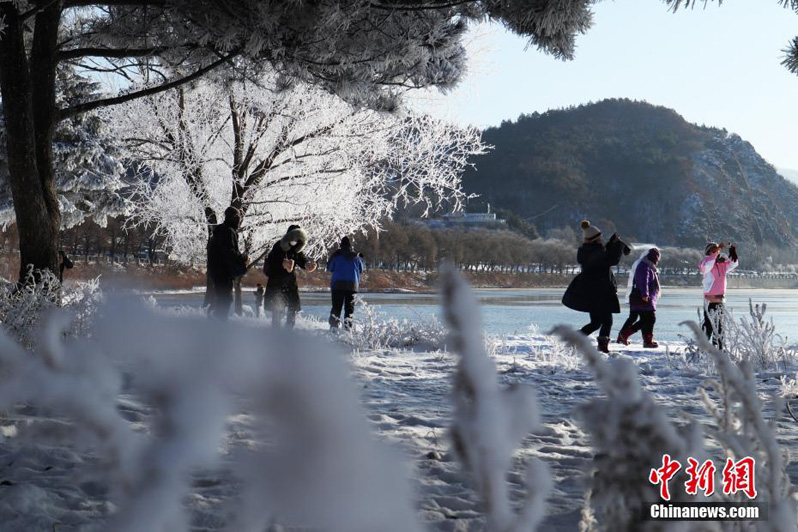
(403, 257)
(169, 276)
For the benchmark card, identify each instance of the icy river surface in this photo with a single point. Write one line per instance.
(506, 312)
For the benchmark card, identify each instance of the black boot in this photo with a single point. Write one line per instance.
(604, 344)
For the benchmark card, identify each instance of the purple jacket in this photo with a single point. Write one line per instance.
(646, 282)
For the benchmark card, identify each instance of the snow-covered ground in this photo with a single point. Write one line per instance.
(407, 394)
(407, 398)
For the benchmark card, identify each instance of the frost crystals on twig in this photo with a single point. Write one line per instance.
(630, 433)
(490, 421)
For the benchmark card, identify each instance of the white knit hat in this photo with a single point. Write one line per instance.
(589, 232)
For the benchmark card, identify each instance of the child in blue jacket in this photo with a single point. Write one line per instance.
(346, 267)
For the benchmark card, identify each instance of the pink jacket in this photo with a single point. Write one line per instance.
(715, 274)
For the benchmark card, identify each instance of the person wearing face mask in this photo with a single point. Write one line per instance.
(225, 263)
(282, 290)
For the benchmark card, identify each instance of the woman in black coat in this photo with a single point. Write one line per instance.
(282, 290)
(595, 290)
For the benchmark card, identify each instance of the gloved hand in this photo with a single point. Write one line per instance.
(733, 253)
(626, 249)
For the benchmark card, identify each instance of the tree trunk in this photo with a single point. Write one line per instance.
(210, 217)
(28, 92)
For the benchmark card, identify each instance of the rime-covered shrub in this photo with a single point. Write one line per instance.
(490, 421)
(751, 337)
(538, 348)
(372, 330)
(630, 433)
(23, 306)
(311, 463)
(742, 431)
(322, 467)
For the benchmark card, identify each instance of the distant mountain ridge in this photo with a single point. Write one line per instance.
(640, 168)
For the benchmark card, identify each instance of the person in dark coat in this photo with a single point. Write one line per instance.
(643, 300)
(346, 267)
(282, 291)
(64, 263)
(225, 263)
(595, 289)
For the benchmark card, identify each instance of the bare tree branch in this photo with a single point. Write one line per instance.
(89, 106)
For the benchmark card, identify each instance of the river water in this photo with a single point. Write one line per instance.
(515, 311)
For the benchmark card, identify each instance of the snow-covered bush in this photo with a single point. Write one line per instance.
(536, 347)
(373, 331)
(630, 434)
(320, 466)
(23, 306)
(752, 337)
(140, 406)
(490, 422)
(742, 431)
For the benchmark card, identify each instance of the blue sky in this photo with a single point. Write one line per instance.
(718, 66)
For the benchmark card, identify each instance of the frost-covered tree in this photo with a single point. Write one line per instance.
(365, 50)
(282, 154)
(88, 173)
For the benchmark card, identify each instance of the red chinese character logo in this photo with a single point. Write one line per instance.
(662, 475)
(702, 478)
(739, 476)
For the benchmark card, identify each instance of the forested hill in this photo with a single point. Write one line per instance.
(640, 168)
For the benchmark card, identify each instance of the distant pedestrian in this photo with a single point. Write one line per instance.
(258, 299)
(64, 263)
(645, 291)
(715, 266)
(346, 267)
(282, 290)
(225, 263)
(595, 289)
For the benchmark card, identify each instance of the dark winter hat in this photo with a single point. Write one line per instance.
(230, 212)
(653, 255)
(589, 232)
(232, 216)
(291, 228)
(345, 243)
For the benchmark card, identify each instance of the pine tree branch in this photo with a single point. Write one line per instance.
(106, 102)
(116, 53)
(791, 58)
(132, 3)
(424, 7)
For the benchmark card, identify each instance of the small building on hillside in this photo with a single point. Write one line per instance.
(482, 220)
